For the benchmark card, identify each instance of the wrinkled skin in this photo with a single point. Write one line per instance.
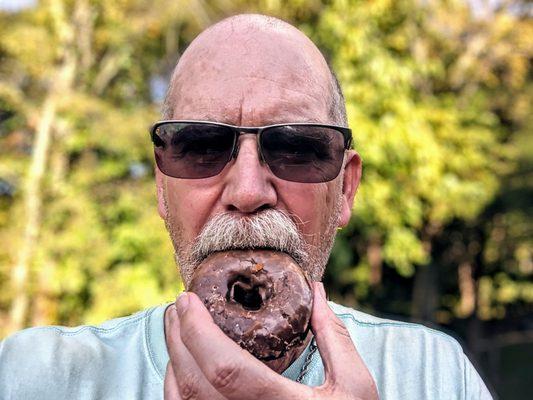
(248, 71)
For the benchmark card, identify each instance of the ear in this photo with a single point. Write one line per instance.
(350, 183)
(160, 182)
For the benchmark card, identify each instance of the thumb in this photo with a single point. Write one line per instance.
(343, 365)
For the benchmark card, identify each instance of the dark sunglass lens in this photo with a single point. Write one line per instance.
(193, 150)
(307, 154)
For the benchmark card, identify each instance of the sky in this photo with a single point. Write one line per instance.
(16, 5)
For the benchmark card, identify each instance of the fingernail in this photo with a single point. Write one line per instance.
(170, 315)
(182, 303)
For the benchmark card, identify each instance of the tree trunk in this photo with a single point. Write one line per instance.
(425, 293)
(375, 261)
(32, 205)
(60, 84)
(45, 305)
(467, 291)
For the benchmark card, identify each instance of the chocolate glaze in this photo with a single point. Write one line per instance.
(260, 298)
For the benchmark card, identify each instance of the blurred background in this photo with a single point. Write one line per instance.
(439, 99)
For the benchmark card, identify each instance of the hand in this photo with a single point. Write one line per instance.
(206, 365)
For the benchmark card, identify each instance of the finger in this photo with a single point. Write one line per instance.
(232, 371)
(170, 387)
(188, 378)
(343, 365)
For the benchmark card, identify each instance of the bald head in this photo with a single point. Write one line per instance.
(254, 70)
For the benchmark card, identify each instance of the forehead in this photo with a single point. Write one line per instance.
(257, 80)
(250, 101)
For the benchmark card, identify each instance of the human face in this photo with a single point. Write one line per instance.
(255, 91)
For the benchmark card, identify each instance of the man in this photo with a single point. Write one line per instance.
(219, 187)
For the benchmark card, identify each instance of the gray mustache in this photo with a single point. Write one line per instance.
(270, 229)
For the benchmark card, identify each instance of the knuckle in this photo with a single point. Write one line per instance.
(188, 386)
(225, 376)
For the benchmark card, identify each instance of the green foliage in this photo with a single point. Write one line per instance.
(426, 162)
(102, 248)
(438, 100)
(424, 88)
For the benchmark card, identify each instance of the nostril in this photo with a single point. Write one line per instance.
(264, 207)
(233, 208)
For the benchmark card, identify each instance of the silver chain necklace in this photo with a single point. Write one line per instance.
(305, 368)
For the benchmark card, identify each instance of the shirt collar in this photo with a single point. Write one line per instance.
(157, 348)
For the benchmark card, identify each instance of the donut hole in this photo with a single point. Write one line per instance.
(250, 295)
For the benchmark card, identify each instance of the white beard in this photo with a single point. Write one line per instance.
(270, 228)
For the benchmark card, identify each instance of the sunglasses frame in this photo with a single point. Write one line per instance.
(257, 130)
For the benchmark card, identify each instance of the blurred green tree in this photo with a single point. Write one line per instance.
(438, 96)
(435, 96)
(84, 238)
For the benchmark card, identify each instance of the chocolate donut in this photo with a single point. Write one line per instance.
(260, 298)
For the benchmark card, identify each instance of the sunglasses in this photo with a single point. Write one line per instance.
(297, 152)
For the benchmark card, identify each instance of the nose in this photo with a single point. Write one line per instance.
(248, 185)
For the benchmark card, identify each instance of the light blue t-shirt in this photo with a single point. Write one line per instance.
(126, 358)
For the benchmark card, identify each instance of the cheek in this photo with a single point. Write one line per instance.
(310, 203)
(190, 205)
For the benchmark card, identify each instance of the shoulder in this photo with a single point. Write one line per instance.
(398, 337)
(410, 360)
(46, 343)
(50, 359)
(360, 322)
